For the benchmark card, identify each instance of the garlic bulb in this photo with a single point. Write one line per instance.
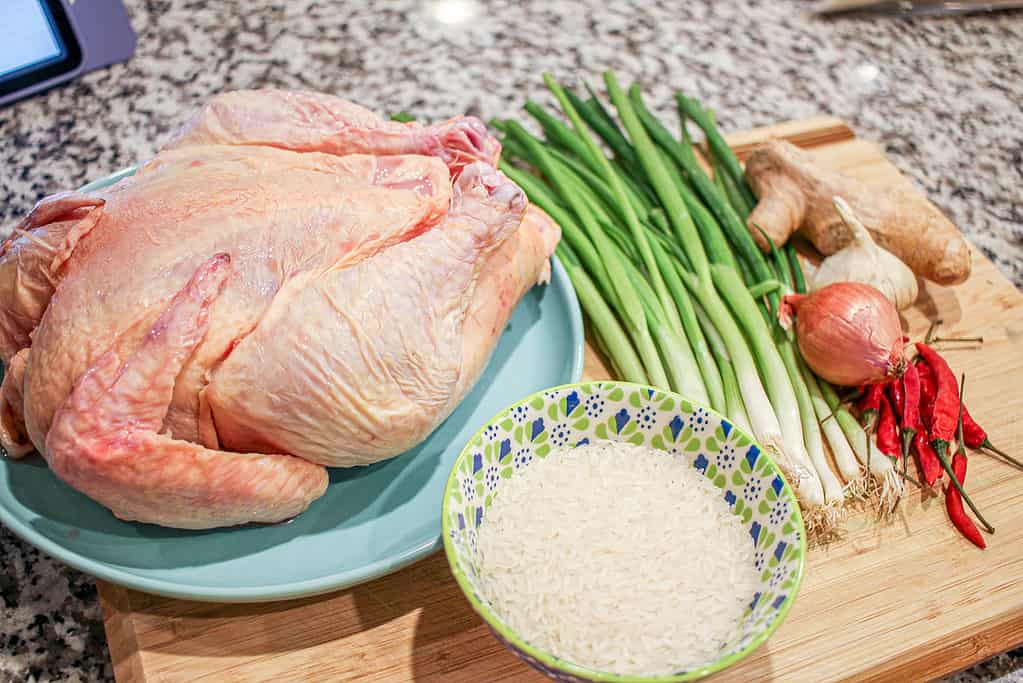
(864, 261)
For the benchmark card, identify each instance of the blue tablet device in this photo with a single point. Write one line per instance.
(46, 42)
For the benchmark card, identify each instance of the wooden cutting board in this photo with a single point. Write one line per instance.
(909, 600)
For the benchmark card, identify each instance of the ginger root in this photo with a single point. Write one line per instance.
(796, 193)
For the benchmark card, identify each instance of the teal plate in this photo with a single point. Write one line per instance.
(371, 521)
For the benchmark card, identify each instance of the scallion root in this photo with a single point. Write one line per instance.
(858, 488)
(890, 492)
(823, 522)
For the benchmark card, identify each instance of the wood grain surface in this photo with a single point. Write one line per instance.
(906, 600)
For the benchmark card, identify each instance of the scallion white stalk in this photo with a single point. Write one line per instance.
(833, 492)
(779, 386)
(879, 465)
(842, 452)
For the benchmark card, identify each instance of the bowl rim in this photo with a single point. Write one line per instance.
(549, 659)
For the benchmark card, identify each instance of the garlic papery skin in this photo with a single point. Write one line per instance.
(864, 261)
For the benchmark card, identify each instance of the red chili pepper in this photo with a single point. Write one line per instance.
(927, 391)
(897, 396)
(887, 430)
(930, 468)
(909, 389)
(973, 433)
(948, 407)
(870, 405)
(910, 394)
(946, 400)
(910, 397)
(954, 505)
(929, 461)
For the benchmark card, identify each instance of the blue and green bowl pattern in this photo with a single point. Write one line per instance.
(577, 414)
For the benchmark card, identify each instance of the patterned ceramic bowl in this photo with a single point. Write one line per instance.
(580, 413)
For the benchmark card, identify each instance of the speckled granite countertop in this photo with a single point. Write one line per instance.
(941, 95)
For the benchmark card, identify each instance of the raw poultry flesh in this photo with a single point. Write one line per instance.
(293, 283)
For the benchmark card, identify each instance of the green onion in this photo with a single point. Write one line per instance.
(594, 181)
(837, 440)
(761, 413)
(678, 357)
(628, 303)
(622, 355)
(812, 439)
(728, 188)
(734, 408)
(598, 106)
(590, 183)
(658, 176)
(682, 153)
(830, 424)
(716, 245)
(610, 134)
(705, 361)
(766, 287)
(662, 258)
(712, 380)
(779, 385)
(767, 415)
(638, 234)
(880, 467)
(807, 413)
(798, 281)
(692, 109)
(557, 132)
(601, 187)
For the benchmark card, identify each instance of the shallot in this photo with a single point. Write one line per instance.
(849, 333)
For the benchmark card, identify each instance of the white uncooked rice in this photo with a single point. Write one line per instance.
(618, 558)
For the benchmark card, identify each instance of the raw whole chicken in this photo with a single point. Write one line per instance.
(293, 283)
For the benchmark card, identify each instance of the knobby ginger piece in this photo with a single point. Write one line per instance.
(796, 194)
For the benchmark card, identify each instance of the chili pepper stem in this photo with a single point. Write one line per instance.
(931, 330)
(988, 446)
(960, 432)
(911, 480)
(962, 340)
(940, 449)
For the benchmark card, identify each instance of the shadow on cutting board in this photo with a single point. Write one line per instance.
(204, 629)
(362, 630)
(934, 298)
